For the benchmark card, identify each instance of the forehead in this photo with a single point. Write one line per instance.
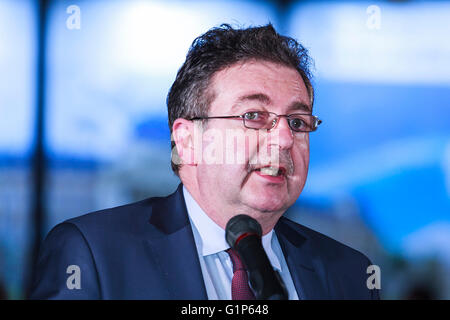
(273, 86)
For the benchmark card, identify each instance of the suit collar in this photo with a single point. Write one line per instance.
(296, 245)
(169, 213)
(174, 248)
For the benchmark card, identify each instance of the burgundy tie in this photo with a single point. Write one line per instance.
(240, 290)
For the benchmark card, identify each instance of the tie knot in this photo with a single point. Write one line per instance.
(236, 260)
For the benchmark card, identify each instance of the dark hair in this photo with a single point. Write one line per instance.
(222, 47)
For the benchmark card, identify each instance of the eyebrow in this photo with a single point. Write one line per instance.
(259, 97)
(265, 99)
(300, 106)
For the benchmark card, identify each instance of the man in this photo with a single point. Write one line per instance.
(252, 85)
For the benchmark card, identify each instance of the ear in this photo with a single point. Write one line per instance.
(183, 136)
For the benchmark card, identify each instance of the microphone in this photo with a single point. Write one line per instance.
(243, 234)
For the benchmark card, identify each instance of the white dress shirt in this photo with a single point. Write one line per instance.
(216, 265)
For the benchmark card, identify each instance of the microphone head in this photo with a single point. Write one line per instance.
(240, 225)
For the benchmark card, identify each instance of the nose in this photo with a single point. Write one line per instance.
(283, 132)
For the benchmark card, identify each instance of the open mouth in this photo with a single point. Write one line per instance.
(271, 171)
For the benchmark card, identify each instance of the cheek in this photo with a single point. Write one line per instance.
(301, 155)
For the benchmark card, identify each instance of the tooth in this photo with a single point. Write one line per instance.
(270, 171)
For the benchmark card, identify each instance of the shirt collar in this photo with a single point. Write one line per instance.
(212, 236)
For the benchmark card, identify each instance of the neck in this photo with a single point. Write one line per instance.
(221, 211)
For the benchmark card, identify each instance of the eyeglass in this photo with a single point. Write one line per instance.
(298, 122)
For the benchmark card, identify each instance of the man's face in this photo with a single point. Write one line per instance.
(256, 86)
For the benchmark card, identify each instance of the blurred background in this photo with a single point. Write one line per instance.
(83, 121)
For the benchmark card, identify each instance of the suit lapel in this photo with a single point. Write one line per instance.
(174, 249)
(301, 263)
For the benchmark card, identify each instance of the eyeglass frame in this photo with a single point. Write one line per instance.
(274, 121)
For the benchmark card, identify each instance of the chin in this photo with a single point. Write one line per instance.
(272, 208)
(266, 197)
(268, 204)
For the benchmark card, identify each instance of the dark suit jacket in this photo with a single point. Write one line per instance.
(146, 250)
